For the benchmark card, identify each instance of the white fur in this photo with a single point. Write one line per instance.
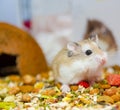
(85, 47)
(65, 88)
(67, 73)
(77, 71)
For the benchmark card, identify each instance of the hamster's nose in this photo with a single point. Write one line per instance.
(104, 58)
(103, 61)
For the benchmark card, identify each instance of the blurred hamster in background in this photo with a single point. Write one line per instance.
(106, 39)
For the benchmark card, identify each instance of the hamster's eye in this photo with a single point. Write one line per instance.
(88, 52)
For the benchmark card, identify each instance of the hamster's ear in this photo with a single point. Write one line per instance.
(94, 38)
(72, 46)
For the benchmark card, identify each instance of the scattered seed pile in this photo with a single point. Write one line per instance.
(43, 93)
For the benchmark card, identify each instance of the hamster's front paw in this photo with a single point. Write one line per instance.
(65, 88)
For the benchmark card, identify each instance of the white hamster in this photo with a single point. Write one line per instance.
(79, 61)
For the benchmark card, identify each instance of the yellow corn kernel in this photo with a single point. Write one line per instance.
(86, 101)
(66, 99)
(39, 85)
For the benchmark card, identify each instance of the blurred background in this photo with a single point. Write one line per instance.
(53, 23)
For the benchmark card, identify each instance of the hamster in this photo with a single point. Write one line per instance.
(79, 61)
(106, 39)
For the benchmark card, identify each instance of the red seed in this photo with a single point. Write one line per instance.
(84, 84)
